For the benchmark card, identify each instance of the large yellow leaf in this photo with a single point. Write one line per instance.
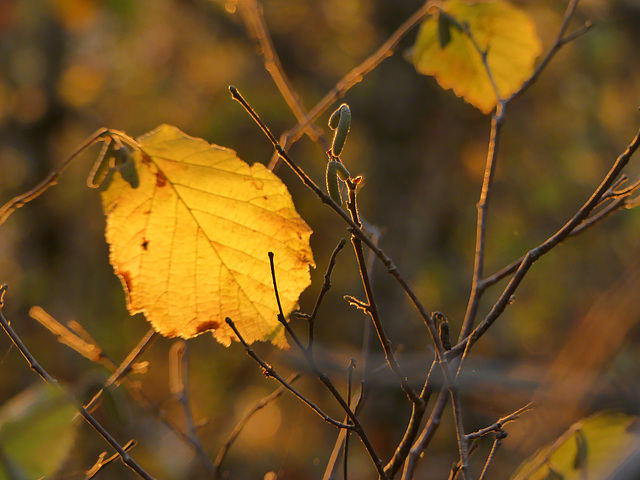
(508, 35)
(190, 243)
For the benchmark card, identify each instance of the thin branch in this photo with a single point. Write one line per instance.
(179, 383)
(372, 308)
(352, 365)
(354, 76)
(356, 425)
(245, 420)
(36, 367)
(251, 12)
(426, 436)
(463, 444)
(455, 469)
(325, 288)
(500, 435)
(354, 228)
(534, 254)
(496, 427)
(413, 427)
(103, 462)
(481, 225)
(270, 372)
(90, 349)
(557, 45)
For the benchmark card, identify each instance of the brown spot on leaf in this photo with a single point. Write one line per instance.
(161, 180)
(203, 327)
(145, 245)
(145, 159)
(126, 280)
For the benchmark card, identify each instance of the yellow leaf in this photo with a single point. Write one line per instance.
(506, 33)
(594, 448)
(190, 243)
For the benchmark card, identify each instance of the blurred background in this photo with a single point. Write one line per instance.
(69, 67)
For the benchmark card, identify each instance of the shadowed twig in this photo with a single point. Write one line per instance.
(245, 420)
(36, 367)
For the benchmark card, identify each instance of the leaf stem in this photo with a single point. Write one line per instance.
(51, 179)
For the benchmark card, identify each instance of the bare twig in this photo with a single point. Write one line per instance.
(354, 228)
(426, 436)
(500, 435)
(270, 372)
(534, 254)
(372, 308)
(352, 365)
(560, 41)
(103, 460)
(325, 288)
(413, 427)
(496, 427)
(251, 12)
(356, 425)
(179, 382)
(36, 367)
(354, 76)
(245, 420)
(455, 469)
(481, 225)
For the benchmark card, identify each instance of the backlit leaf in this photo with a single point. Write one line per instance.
(506, 33)
(190, 243)
(592, 448)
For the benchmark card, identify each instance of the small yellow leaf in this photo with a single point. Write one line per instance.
(506, 33)
(190, 243)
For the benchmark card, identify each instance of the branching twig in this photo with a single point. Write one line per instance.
(325, 288)
(36, 367)
(534, 254)
(496, 427)
(245, 420)
(354, 228)
(270, 372)
(413, 427)
(372, 308)
(356, 425)
(103, 462)
(426, 436)
(91, 350)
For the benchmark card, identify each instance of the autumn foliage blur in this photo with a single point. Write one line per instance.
(68, 67)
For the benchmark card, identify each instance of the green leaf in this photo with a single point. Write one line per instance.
(37, 432)
(594, 446)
